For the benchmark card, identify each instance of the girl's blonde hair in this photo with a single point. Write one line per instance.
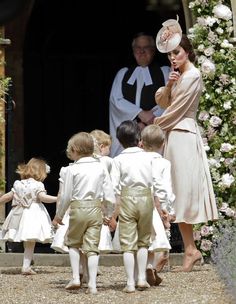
(81, 143)
(100, 138)
(35, 168)
(152, 137)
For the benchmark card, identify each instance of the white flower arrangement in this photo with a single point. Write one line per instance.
(222, 11)
(211, 36)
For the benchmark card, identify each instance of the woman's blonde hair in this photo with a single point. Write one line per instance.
(152, 137)
(80, 143)
(35, 168)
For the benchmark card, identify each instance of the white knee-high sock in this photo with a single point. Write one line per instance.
(92, 270)
(74, 262)
(142, 254)
(135, 268)
(28, 253)
(128, 258)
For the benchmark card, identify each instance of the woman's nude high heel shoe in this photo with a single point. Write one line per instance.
(190, 261)
(164, 261)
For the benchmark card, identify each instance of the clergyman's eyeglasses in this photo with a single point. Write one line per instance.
(139, 49)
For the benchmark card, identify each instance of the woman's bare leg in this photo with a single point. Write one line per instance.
(191, 253)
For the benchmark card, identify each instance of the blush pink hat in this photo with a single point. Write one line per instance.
(169, 36)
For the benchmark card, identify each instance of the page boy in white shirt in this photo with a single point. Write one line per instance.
(86, 185)
(137, 186)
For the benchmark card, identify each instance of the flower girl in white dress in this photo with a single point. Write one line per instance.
(28, 220)
(58, 243)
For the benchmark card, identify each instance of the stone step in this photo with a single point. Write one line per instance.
(55, 259)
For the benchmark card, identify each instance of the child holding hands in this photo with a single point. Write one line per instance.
(137, 186)
(28, 220)
(86, 185)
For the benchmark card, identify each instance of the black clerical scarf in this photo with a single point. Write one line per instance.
(147, 101)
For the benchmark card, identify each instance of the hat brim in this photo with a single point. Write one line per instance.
(169, 45)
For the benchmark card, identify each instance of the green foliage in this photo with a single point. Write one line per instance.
(211, 36)
(4, 88)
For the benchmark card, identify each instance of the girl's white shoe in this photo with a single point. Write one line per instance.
(73, 284)
(91, 291)
(28, 271)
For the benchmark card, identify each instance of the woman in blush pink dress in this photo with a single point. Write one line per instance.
(195, 201)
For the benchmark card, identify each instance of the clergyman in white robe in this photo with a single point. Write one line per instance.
(122, 109)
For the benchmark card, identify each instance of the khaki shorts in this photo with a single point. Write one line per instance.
(135, 218)
(85, 226)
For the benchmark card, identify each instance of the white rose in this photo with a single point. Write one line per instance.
(212, 110)
(206, 245)
(226, 45)
(219, 30)
(230, 29)
(201, 47)
(227, 105)
(201, 21)
(208, 67)
(215, 121)
(203, 115)
(210, 21)
(222, 11)
(230, 212)
(225, 79)
(201, 59)
(212, 162)
(205, 230)
(212, 37)
(191, 5)
(191, 30)
(229, 161)
(226, 147)
(209, 51)
(227, 180)
(224, 207)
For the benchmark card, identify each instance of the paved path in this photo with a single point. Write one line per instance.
(48, 287)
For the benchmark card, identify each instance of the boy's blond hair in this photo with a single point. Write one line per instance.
(152, 137)
(81, 143)
(35, 168)
(100, 138)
